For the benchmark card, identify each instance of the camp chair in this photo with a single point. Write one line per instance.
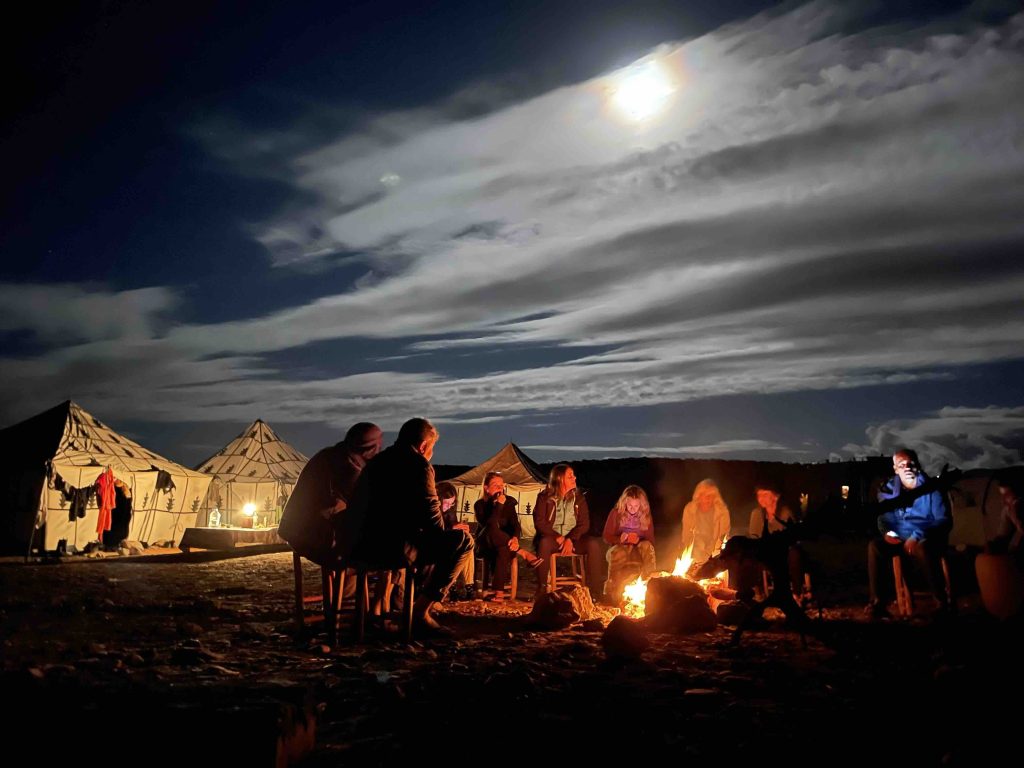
(332, 588)
(483, 569)
(905, 596)
(577, 571)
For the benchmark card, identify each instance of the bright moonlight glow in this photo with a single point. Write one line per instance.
(642, 90)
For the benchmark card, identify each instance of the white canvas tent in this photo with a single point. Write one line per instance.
(257, 467)
(523, 481)
(68, 443)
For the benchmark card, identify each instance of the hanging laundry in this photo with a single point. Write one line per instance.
(79, 498)
(107, 499)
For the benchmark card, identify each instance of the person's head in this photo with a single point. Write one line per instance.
(364, 439)
(1011, 487)
(633, 504)
(494, 485)
(768, 496)
(706, 494)
(420, 435)
(907, 467)
(447, 494)
(561, 479)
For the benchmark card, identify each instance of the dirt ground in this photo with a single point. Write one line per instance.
(119, 660)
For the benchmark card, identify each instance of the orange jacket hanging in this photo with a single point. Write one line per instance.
(107, 498)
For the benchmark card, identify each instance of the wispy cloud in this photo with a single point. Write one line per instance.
(814, 209)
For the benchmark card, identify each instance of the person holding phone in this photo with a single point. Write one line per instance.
(917, 526)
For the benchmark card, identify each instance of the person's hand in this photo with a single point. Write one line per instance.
(461, 527)
(633, 538)
(910, 546)
(500, 498)
(623, 538)
(567, 546)
(513, 544)
(892, 539)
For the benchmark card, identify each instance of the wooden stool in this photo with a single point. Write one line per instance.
(904, 596)
(578, 572)
(484, 571)
(385, 588)
(332, 586)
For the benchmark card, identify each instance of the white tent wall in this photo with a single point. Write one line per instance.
(230, 499)
(156, 515)
(522, 494)
(977, 507)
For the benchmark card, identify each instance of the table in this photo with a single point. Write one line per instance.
(227, 537)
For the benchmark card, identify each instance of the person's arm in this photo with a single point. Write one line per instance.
(582, 518)
(686, 535)
(427, 509)
(482, 512)
(936, 515)
(757, 523)
(611, 528)
(543, 515)
(723, 526)
(513, 509)
(647, 534)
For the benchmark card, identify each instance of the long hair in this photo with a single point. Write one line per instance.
(446, 490)
(633, 492)
(555, 478)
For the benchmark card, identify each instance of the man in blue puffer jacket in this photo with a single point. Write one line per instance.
(917, 525)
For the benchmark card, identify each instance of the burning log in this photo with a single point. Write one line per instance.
(561, 608)
(676, 604)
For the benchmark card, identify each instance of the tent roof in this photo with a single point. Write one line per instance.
(70, 436)
(515, 466)
(257, 454)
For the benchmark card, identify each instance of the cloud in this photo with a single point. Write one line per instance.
(816, 208)
(959, 436)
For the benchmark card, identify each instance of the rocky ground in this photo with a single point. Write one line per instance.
(122, 659)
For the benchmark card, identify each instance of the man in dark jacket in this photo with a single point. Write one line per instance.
(402, 520)
(313, 522)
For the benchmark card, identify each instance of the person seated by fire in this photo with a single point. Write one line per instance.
(771, 518)
(706, 524)
(562, 520)
(629, 530)
(313, 520)
(916, 525)
(498, 534)
(464, 587)
(1000, 568)
(401, 524)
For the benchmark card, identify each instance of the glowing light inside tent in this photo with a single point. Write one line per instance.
(249, 509)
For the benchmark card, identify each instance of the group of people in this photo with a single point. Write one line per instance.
(359, 502)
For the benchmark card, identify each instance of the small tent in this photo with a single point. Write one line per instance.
(257, 468)
(523, 481)
(68, 448)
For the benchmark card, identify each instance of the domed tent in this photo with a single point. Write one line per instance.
(47, 456)
(523, 481)
(257, 468)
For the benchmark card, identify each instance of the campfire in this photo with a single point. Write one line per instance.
(634, 595)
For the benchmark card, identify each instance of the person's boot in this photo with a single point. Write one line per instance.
(423, 622)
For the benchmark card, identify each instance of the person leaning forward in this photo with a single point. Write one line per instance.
(313, 523)
(401, 521)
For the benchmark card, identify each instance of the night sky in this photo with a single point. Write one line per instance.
(724, 229)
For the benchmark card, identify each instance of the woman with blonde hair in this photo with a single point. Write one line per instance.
(706, 523)
(629, 530)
